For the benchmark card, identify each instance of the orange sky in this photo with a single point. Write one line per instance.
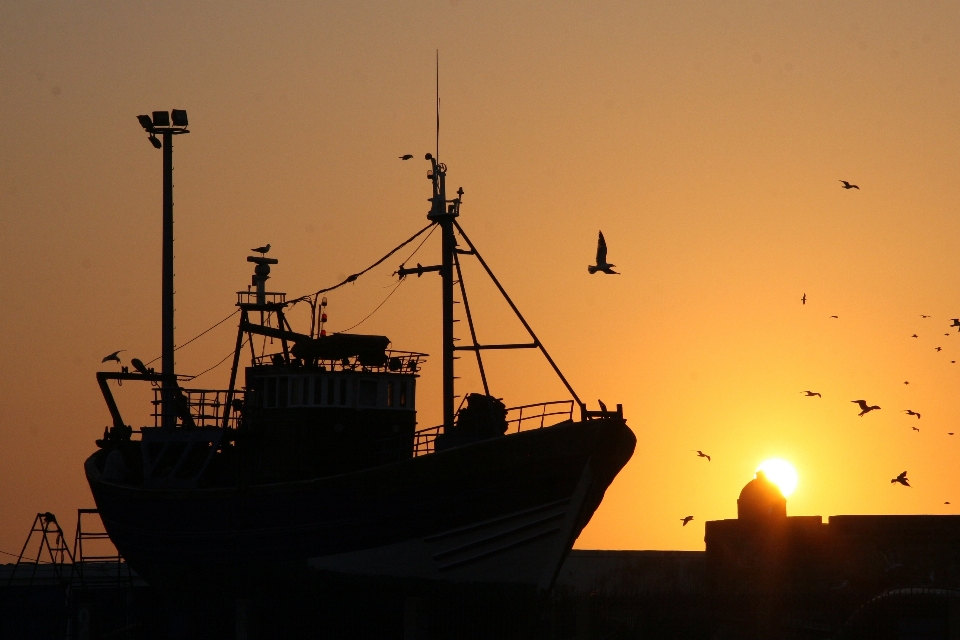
(705, 139)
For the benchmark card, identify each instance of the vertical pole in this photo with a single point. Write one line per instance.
(168, 409)
(446, 271)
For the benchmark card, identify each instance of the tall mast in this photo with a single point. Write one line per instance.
(443, 212)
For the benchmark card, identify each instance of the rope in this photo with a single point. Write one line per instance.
(233, 313)
(395, 287)
(232, 351)
(353, 277)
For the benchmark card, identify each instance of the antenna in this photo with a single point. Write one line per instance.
(438, 104)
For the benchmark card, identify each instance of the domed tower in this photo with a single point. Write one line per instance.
(761, 501)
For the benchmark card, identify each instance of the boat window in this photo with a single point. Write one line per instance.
(343, 390)
(389, 393)
(403, 393)
(367, 396)
(330, 391)
(315, 390)
(294, 391)
(270, 399)
(282, 390)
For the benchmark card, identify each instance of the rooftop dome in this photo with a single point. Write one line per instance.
(761, 500)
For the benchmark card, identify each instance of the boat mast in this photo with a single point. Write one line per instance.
(160, 124)
(444, 212)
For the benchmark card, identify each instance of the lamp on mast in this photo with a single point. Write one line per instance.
(166, 125)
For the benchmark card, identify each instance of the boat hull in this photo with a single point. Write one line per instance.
(504, 510)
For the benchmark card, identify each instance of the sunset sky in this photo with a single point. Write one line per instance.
(705, 139)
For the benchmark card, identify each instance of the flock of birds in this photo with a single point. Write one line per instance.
(864, 406)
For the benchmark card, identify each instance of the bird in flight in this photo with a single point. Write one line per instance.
(686, 520)
(917, 429)
(406, 156)
(261, 250)
(847, 185)
(914, 336)
(834, 316)
(902, 479)
(906, 382)
(812, 393)
(939, 349)
(956, 323)
(864, 408)
(701, 454)
(946, 503)
(923, 316)
(803, 300)
(949, 433)
(602, 264)
(113, 357)
(911, 412)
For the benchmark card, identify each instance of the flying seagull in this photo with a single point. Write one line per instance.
(902, 479)
(955, 323)
(914, 336)
(906, 382)
(911, 412)
(812, 393)
(847, 185)
(701, 454)
(949, 433)
(946, 503)
(406, 156)
(917, 429)
(939, 349)
(686, 520)
(803, 300)
(834, 316)
(923, 316)
(113, 357)
(602, 264)
(864, 408)
(261, 250)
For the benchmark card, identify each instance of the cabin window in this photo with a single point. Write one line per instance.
(315, 390)
(282, 390)
(330, 391)
(343, 390)
(294, 391)
(403, 393)
(367, 393)
(389, 393)
(270, 399)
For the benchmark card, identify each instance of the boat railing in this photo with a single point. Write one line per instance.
(206, 407)
(269, 297)
(396, 362)
(522, 418)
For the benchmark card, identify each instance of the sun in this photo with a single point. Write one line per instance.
(781, 473)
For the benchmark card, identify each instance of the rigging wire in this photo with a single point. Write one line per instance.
(393, 291)
(232, 351)
(353, 278)
(233, 313)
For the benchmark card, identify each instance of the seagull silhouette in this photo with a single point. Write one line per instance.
(923, 316)
(917, 429)
(946, 503)
(911, 412)
(686, 520)
(261, 250)
(139, 366)
(902, 479)
(847, 185)
(949, 433)
(603, 407)
(906, 382)
(914, 336)
(955, 323)
(939, 348)
(113, 356)
(803, 300)
(834, 316)
(602, 265)
(864, 409)
(406, 156)
(812, 393)
(701, 454)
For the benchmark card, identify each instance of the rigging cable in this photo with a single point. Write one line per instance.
(353, 277)
(232, 351)
(233, 313)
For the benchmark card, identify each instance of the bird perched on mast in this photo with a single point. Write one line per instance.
(602, 265)
(261, 250)
(864, 409)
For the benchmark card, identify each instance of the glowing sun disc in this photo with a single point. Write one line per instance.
(781, 473)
